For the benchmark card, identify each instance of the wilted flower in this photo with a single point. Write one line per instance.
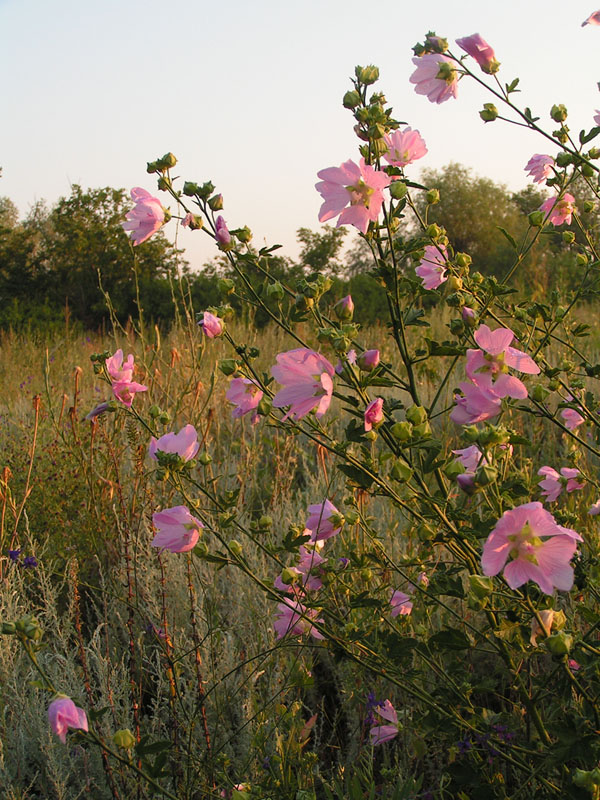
(246, 395)
(518, 536)
(432, 269)
(306, 377)
(64, 714)
(488, 367)
(184, 444)
(539, 167)
(177, 530)
(374, 415)
(404, 147)
(211, 325)
(593, 19)
(357, 185)
(100, 409)
(553, 483)
(547, 617)
(401, 604)
(436, 77)
(480, 50)
(384, 733)
(324, 521)
(294, 620)
(559, 210)
(145, 218)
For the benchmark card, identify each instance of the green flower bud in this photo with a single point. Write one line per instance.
(226, 286)
(167, 161)
(151, 167)
(457, 327)
(341, 344)
(8, 628)
(403, 431)
(454, 283)
(289, 576)
(589, 206)
(536, 219)
(154, 411)
(352, 517)
(201, 550)
(453, 469)
(558, 112)
(216, 202)
(275, 291)
(481, 586)
(432, 197)
(563, 159)
(228, 366)
(366, 574)
(568, 237)
(559, 644)
(351, 99)
(587, 779)
(124, 738)
(423, 430)
(594, 153)
(265, 522)
(433, 231)
(539, 393)
(401, 472)
(190, 188)
(244, 234)
(486, 475)
(371, 435)
(205, 190)
(164, 418)
(489, 112)
(463, 260)
(164, 183)
(587, 170)
(471, 433)
(264, 406)
(235, 547)
(204, 458)
(367, 75)
(416, 415)
(398, 189)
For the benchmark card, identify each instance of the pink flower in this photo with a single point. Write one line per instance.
(435, 77)
(324, 521)
(246, 395)
(480, 50)
(518, 536)
(184, 444)
(593, 19)
(368, 360)
(222, 234)
(404, 147)
(539, 167)
(467, 313)
(64, 714)
(384, 733)
(475, 405)
(471, 458)
(117, 370)
(357, 185)
(571, 418)
(547, 618)
(211, 326)
(125, 391)
(488, 367)
(594, 509)
(309, 562)
(295, 619)
(177, 530)
(349, 359)
(432, 269)
(597, 118)
(187, 220)
(344, 308)
(307, 382)
(573, 665)
(553, 483)
(560, 210)
(400, 603)
(374, 414)
(145, 218)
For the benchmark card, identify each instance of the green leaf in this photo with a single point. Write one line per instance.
(413, 317)
(449, 639)
(508, 236)
(144, 748)
(356, 475)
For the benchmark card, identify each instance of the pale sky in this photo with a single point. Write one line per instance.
(248, 94)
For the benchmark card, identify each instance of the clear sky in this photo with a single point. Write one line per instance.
(248, 94)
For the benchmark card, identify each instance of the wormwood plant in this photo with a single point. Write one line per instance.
(434, 608)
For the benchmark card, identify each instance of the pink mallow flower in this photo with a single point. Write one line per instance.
(324, 521)
(432, 269)
(594, 509)
(474, 405)
(404, 147)
(145, 218)
(294, 619)
(554, 483)
(593, 19)
(471, 458)
(358, 186)
(560, 210)
(480, 50)
(246, 395)
(488, 367)
(222, 234)
(307, 382)
(309, 562)
(436, 77)
(184, 444)
(384, 733)
(211, 325)
(539, 167)
(368, 360)
(64, 714)
(117, 370)
(176, 529)
(571, 418)
(126, 390)
(400, 603)
(374, 415)
(539, 548)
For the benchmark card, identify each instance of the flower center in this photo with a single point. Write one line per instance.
(360, 194)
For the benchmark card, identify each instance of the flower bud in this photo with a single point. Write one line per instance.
(265, 522)
(275, 290)
(206, 190)
(164, 418)
(485, 475)
(563, 159)
(423, 430)
(205, 458)
(587, 779)
(190, 188)
(235, 547)
(228, 366)
(367, 75)
(481, 586)
(434, 231)
(536, 219)
(463, 260)
(398, 189)
(432, 197)
(401, 471)
(558, 112)
(226, 285)
(201, 550)
(489, 112)
(154, 411)
(416, 414)
(167, 161)
(402, 431)
(351, 99)
(124, 738)
(454, 283)
(588, 206)
(264, 407)
(568, 237)
(344, 309)
(471, 433)
(366, 574)
(216, 202)
(539, 393)
(244, 234)
(341, 344)
(368, 360)
(457, 327)
(151, 167)
(289, 575)
(559, 644)
(8, 628)
(594, 153)
(352, 517)
(587, 170)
